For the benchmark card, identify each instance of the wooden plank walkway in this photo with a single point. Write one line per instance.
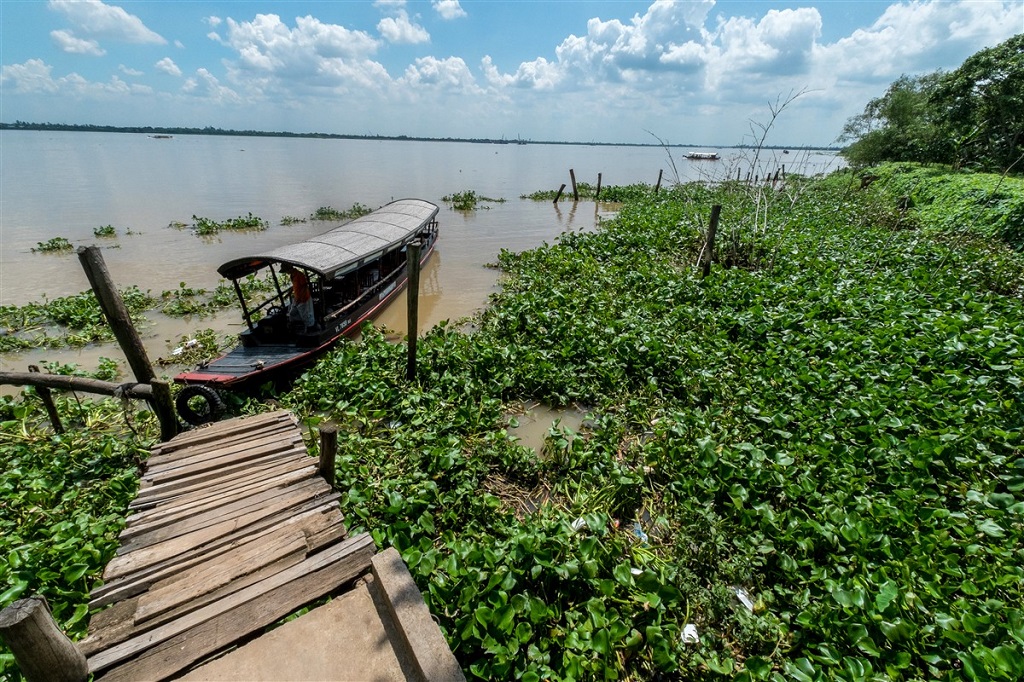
(232, 530)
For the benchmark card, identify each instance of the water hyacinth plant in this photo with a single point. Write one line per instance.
(807, 465)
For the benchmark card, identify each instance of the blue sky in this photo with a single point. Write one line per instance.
(700, 71)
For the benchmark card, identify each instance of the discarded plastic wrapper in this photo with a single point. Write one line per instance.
(638, 531)
(690, 635)
(579, 524)
(191, 343)
(744, 598)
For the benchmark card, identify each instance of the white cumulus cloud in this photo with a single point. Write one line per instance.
(67, 42)
(449, 9)
(401, 29)
(449, 74)
(167, 65)
(96, 18)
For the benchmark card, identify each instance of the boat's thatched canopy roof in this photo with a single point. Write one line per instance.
(344, 248)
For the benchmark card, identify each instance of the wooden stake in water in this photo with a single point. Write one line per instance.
(709, 247)
(412, 265)
(658, 186)
(572, 178)
(597, 194)
(559, 194)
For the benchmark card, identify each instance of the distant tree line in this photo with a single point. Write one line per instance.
(970, 117)
(210, 130)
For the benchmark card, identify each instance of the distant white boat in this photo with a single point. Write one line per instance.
(703, 156)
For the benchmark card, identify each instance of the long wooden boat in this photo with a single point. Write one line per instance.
(354, 272)
(703, 156)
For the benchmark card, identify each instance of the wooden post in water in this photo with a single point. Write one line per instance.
(737, 173)
(328, 452)
(575, 192)
(412, 264)
(597, 194)
(116, 313)
(41, 650)
(559, 194)
(709, 247)
(783, 171)
(658, 186)
(51, 409)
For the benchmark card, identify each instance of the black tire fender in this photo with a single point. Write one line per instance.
(198, 412)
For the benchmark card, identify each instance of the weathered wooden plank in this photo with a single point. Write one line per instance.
(275, 497)
(205, 578)
(264, 455)
(168, 455)
(219, 429)
(212, 536)
(216, 625)
(175, 514)
(316, 521)
(207, 488)
(213, 458)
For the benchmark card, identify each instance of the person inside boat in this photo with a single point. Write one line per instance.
(301, 309)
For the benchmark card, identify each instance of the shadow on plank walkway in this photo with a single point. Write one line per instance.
(232, 530)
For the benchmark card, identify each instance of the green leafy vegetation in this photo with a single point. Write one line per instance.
(469, 200)
(205, 227)
(291, 220)
(969, 117)
(813, 457)
(75, 321)
(64, 500)
(611, 193)
(54, 245)
(329, 213)
(982, 204)
(835, 432)
(105, 231)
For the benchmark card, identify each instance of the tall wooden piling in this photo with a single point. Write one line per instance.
(412, 265)
(41, 650)
(120, 322)
(116, 313)
(558, 195)
(658, 186)
(597, 194)
(572, 178)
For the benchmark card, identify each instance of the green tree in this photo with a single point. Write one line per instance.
(981, 106)
(901, 125)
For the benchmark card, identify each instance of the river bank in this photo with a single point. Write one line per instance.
(808, 463)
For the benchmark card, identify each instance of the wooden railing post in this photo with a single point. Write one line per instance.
(42, 651)
(163, 406)
(328, 452)
(51, 409)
